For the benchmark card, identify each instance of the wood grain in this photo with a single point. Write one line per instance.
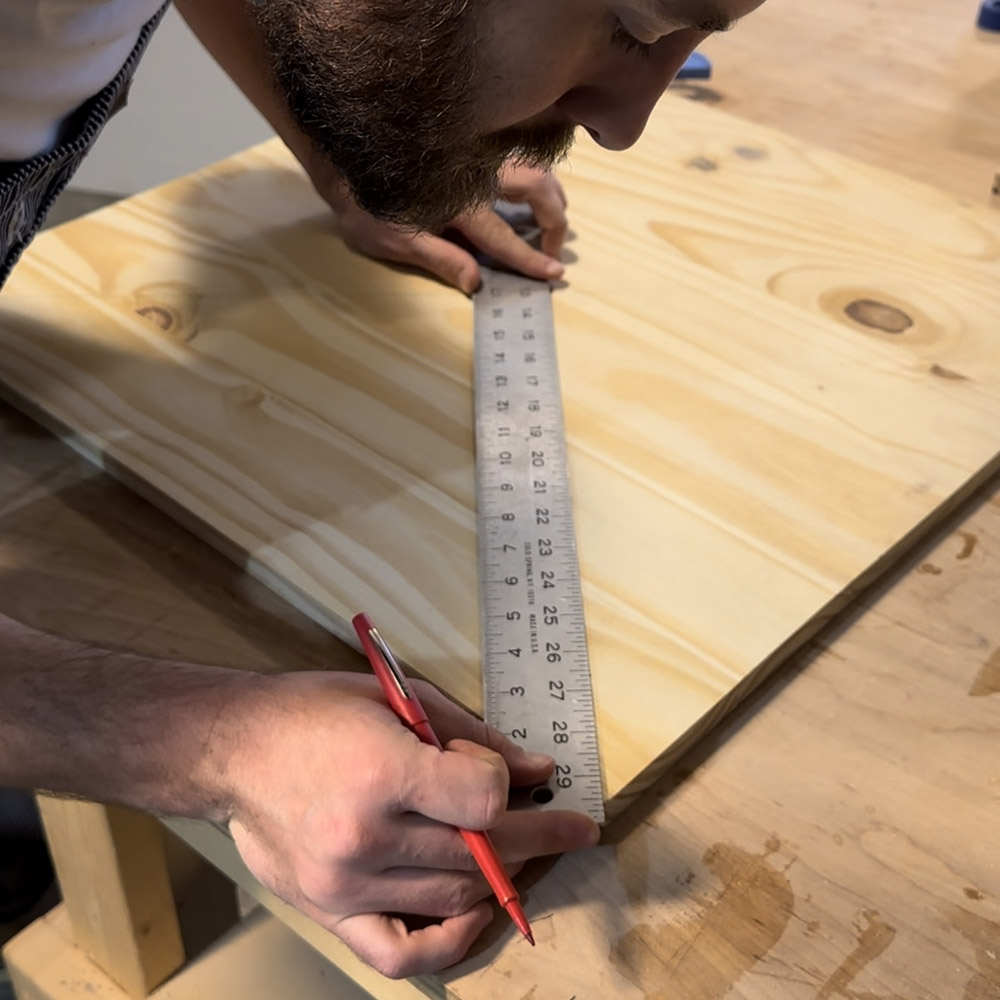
(777, 365)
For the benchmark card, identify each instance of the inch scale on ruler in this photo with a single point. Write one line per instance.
(536, 668)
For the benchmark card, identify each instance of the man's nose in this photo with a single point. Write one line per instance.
(615, 109)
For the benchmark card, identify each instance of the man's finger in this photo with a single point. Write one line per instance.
(452, 722)
(397, 952)
(492, 234)
(425, 251)
(518, 183)
(548, 204)
(523, 834)
(426, 892)
(466, 789)
(519, 836)
(447, 261)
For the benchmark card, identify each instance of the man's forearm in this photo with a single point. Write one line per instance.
(116, 727)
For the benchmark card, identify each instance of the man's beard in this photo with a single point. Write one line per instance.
(385, 89)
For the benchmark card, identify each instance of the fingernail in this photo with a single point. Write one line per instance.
(581, 836)
(554, 269)
(539, 759)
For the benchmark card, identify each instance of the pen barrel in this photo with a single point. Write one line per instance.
(485, 853)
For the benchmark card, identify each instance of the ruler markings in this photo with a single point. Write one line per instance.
(531, 606)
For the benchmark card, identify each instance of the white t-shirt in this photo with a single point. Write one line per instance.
(54, 55)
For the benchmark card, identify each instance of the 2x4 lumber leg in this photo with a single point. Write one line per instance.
(112, 868)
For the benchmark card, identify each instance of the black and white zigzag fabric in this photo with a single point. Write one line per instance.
(28, 189)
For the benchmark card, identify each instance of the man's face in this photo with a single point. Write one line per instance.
(419, 102)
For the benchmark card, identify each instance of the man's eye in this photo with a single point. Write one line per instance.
(623, 38)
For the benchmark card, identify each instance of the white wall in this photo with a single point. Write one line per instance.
(183, 113)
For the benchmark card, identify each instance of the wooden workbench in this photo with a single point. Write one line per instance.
(837, 838)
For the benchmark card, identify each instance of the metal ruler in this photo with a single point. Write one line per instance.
(536, 669)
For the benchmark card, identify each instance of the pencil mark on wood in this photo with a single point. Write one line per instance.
(930, 568)
(878, 315)
(751, 152)
(948, 373)
(701, 957)
(988, 679)
(873, 939)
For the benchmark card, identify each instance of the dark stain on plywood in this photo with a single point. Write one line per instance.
(700, 957)
(873, 939)
(969, 542)
(988, 679)
(984, 936)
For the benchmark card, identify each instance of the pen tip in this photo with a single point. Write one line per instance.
(520, 920)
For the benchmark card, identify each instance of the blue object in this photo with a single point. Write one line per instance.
(989, 16)
(698, 67)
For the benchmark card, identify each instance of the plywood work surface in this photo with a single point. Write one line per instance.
(777, 363)
(915, 87)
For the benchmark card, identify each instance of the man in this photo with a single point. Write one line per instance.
(408, 116)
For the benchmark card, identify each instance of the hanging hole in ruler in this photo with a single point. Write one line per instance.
(542, 794)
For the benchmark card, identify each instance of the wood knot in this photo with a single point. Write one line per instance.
(170, 306)
(163, 318)
(878, 315)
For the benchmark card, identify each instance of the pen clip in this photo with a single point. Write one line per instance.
(390, 661)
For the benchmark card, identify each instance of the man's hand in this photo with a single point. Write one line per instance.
(228, 31)
(343, 812)
(484, 229)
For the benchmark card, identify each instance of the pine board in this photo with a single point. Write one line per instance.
(750, 440)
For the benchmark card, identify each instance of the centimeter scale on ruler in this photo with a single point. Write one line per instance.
(536, 668)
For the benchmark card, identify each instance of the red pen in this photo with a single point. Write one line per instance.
(404, 702)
